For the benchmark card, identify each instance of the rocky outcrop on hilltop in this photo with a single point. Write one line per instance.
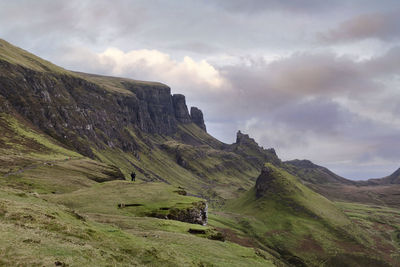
(257, 155)
(197, 117)
(264, 181)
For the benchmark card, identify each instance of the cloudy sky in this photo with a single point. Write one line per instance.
(313, 79)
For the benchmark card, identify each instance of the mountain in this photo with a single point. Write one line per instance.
(69, 142)
(314, 174)
(306, 228)
(392, 179)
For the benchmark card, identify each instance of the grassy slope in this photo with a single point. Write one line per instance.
(381, 223)
(297, 222)
(153, 197)
(38, 172)
(21, 146)
(18, 56)
(39, 233)
(209, 172)
(115, 84)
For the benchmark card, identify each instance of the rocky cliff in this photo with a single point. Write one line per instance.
(197, 117)
(80, 111)
(249, 149)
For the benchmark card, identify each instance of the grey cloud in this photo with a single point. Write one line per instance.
(196, 47)
(384, 26)
(267, 5)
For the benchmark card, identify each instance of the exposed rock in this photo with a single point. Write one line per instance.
(80, 113)
(264, 181)
(248, 147)
(244, 139)
(181, 161)
(196, 214)
(180, 108)
(197, 117)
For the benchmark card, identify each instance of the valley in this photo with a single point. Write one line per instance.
(69, 142)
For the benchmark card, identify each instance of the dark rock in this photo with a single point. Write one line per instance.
(181, 192)
(180, 108)
(249, 149)
(60, 263)
(181, 161)
(197, 117)
(197, 214)
(122, 205)
(197, 231)
(264, 181)
(82, 114)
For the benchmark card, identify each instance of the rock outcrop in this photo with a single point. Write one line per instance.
(196, 214)
(180, 108)
(264, 181)
(248, 148)
(197, 117)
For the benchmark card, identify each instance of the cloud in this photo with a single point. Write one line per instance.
(149, 65)
(301, 6)
(383, 26)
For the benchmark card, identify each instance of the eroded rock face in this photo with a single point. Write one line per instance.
(264, 182)
(197, 117)
(80, 113)
(248, 147)
(180, 108)
(196, 214)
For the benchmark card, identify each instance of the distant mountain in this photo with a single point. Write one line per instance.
(314, 174)
(392, 179)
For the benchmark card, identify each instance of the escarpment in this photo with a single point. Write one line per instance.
(80, 112)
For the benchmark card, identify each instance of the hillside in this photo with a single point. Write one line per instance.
(70, 141)
(308, 229)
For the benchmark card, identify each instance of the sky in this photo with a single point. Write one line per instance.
(316, 80)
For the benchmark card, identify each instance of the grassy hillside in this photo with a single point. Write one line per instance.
(18, 56)
(302, 226)
(38, 233)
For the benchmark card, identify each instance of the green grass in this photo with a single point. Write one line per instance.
(153, 197)
(39, 233)
(295, 221)
(115, 84)
(18, 56)
(21, 146)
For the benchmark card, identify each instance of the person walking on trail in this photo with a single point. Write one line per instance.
(133, 176)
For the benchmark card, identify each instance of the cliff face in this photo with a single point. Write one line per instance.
(197, 117)
(77, 111)
(180, 108)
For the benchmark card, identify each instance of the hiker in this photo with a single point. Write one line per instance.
(133, 176)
